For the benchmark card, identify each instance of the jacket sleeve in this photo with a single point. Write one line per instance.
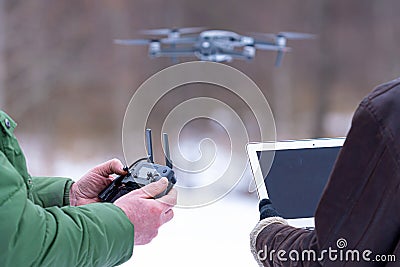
(92, 235)
(274, 243)
(51, 191)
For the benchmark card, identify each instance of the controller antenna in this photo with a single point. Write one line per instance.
(168, 161)
(149, 145)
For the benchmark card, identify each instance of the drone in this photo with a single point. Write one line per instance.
(213, 45)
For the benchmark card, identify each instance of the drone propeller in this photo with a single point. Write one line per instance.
(287, 35)
(133, 42)
(281, 50)
(297, 35)
(180, 40)
(167, 31)
(170, 41)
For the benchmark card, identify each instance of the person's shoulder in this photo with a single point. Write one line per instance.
(391, 89)
(7, 124)
(383, 105)
(384, 100)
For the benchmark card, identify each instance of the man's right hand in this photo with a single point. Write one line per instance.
(145, 213)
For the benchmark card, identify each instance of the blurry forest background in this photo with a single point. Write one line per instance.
(67, 85)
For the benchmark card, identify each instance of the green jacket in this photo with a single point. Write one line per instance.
(39, 228)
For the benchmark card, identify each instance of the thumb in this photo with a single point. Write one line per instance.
(267, 210)
(153, 189)
(113, 166)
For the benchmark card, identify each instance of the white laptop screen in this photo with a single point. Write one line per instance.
(297, 178)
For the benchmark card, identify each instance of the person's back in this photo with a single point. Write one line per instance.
(359, 209)
(361, 202)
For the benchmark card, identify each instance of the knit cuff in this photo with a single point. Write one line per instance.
(261, 225)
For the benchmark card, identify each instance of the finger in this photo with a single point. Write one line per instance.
(153, 189)
(170, 199)
(108, 181)
(110, 167)
(168, 215)
(100, 185)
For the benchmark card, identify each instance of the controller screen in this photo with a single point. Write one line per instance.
(145, 170)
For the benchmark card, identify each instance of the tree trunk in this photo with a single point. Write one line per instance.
(2, 56)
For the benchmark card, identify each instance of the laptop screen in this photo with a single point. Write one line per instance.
(297, 178)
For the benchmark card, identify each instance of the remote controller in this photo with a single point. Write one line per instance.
(142, 172)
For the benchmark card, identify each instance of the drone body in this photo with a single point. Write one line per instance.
(213, 45)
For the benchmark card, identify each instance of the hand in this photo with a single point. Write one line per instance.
(145, 213)
(85, 190)
(266, 209)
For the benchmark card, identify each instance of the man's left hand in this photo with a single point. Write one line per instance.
(85, 190)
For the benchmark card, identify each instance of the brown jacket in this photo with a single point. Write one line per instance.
(360, 207)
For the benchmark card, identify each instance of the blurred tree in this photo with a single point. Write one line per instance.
(61, 75)
(326, 72)
(2, 56)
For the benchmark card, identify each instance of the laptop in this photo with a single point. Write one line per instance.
(293, 174)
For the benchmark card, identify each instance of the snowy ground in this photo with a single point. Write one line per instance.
(215, 235)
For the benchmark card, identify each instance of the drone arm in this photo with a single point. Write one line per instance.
(175, 52)
(270, 46)
(132, 42)
(279, 58)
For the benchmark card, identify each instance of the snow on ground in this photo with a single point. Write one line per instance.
(214, 235)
